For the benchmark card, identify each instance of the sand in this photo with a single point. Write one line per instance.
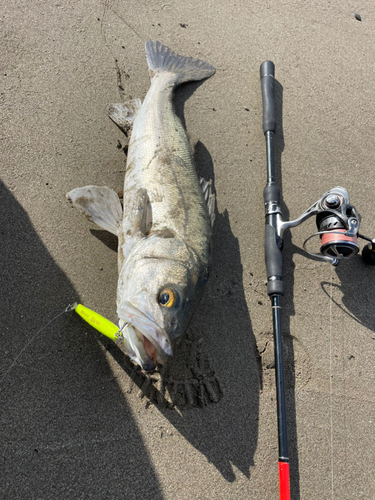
(77, 419)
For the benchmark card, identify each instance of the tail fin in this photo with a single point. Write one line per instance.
(160, 58)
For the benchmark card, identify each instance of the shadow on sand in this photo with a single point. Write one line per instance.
(357, 289)
(215, 378)
(217, 389)
(59, 401)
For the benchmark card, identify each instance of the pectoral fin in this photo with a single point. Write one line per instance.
(137, 220)
(139, 213)
(100, 205)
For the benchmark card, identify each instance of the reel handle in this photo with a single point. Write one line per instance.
(267, 83)
(368, 254)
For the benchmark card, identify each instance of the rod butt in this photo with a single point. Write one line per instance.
(284, 481)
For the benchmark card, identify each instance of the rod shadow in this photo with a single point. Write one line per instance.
(59, 401)
(357, 288)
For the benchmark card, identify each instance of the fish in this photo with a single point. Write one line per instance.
(164, 225)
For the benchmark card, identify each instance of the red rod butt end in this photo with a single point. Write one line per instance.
(284, 481)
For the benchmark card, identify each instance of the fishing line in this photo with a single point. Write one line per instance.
(69, 308)
(330, 377)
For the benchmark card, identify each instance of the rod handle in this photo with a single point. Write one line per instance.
(267, 83)
(274, 262)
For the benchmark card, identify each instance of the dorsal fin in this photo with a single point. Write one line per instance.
(209, 197)
(123, 114)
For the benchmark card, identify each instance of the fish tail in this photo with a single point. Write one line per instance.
(162, 59)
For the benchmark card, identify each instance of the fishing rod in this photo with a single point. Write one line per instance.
(337, 226)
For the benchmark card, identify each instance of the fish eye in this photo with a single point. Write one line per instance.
(167, 297)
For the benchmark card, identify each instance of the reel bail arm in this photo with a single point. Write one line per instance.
(337, 222)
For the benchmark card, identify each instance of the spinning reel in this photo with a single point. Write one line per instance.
(338, 224)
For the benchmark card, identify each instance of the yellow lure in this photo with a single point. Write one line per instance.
(100, 323)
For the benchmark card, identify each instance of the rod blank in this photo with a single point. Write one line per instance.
(274, 267)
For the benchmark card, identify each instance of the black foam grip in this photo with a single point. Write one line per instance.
(275, 287)
(274, 259)
(271, 194)
(267, 82)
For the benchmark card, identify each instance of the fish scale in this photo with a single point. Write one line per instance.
(164, 231)
(159, 149)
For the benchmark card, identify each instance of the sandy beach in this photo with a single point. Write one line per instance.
(78, 419)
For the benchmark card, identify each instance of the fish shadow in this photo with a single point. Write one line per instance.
(107, 238)
(58, 397)
(229, 433)
(181, 95)
(210, 390)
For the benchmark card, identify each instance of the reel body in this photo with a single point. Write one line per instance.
(338, 224)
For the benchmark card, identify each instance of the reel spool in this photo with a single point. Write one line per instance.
(333, 223)
(335, 242)
(338, 223)
(336, 245)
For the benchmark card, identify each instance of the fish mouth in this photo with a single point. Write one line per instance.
(150, 338)
(150, 349)
(137, 347)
